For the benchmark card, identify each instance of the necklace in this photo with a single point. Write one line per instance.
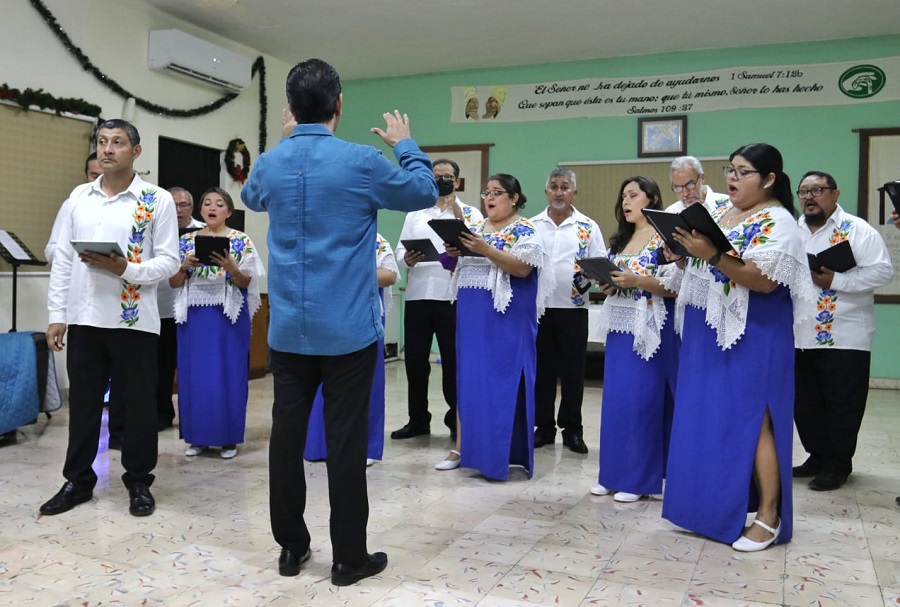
(730, 222)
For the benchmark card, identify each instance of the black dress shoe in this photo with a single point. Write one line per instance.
(809, 468)
(898, 501)
(543, 437)
(289, 562)
(409, 431)
(163, 424)
(142, 503)
(576, 444)
(827, 481)
(344, 575)
(67, 498)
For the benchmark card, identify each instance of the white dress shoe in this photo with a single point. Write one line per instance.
(745, 544)
(370, 462)
(626, 498)
(599, 489)
(194, 450)
(449, 464)
(228, 453)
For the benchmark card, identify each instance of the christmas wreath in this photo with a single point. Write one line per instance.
(238, 172)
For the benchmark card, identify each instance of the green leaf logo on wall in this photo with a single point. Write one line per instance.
(862, 81)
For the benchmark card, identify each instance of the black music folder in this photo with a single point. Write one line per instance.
(205, 245)
(838, 258)
(422, 245)
(450, 230)
(599, 269)
(694, 217)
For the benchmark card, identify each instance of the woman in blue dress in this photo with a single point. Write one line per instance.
(640, 348)
(315, 450)
(213, 308)
(499, 294)
(732, 435)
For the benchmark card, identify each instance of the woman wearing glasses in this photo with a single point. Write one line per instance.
(730, 451)
(500, 294)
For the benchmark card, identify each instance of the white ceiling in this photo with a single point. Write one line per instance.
(380, 38)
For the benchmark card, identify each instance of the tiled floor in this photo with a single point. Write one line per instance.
(453, 538)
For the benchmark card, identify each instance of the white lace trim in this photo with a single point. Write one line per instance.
(215, 291)
(727, 315)
(481, 273)
(670, 277)
(638, 318)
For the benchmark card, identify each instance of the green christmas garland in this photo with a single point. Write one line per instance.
(259, 66)
(46, 101)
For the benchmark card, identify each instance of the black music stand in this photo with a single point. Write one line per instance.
(14, 252)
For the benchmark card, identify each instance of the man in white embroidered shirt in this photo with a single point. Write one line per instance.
(568, 236)
(834, 344)
(108, 304)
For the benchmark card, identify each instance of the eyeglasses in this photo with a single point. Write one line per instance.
(737, 173)
(449, 178)
(492, 194)
(813, 192)
(184, 205)
(690, 185)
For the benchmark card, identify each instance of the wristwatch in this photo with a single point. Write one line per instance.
(715, 258)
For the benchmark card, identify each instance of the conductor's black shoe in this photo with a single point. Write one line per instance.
(409, 431)
(807, 469)
(575, 444)
(66, 498)
(344, 575)
(827, 481)
(142, 503)
(289, 562)
(543, 437)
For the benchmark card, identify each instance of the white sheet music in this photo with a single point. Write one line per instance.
(13, 247)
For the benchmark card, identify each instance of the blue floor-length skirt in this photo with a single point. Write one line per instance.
(720, 402)
(495, 359)
(315, 435)
(633, 425)
(213, 364)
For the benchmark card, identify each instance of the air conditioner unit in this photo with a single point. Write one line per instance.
(174, 51)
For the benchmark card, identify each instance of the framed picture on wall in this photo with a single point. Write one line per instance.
(664, 136)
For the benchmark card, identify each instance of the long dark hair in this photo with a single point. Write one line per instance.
(626, 230)
(767, 159)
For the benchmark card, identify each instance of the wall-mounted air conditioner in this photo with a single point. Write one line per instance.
(176, 52)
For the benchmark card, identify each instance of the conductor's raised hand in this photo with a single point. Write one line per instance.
(396, 128)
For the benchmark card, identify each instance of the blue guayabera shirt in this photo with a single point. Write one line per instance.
(322, 195)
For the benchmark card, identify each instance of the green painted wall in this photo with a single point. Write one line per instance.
(808, 137)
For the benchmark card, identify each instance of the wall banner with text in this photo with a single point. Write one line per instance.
(843, 83)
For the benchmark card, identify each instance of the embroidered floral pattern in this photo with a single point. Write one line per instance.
(825, 307)
(753, 231)
(644, 263)
(381, 245)
(507, 237)
(143, 215)
(826, 304)
(583, 231)
(241, 246)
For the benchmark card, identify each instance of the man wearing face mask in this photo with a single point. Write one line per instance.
(428, 310)
(687, 179)
(568, 236)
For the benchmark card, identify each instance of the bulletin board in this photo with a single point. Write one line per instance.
(41, 161)
(598, 184)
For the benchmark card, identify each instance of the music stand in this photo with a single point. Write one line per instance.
(14, 252)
